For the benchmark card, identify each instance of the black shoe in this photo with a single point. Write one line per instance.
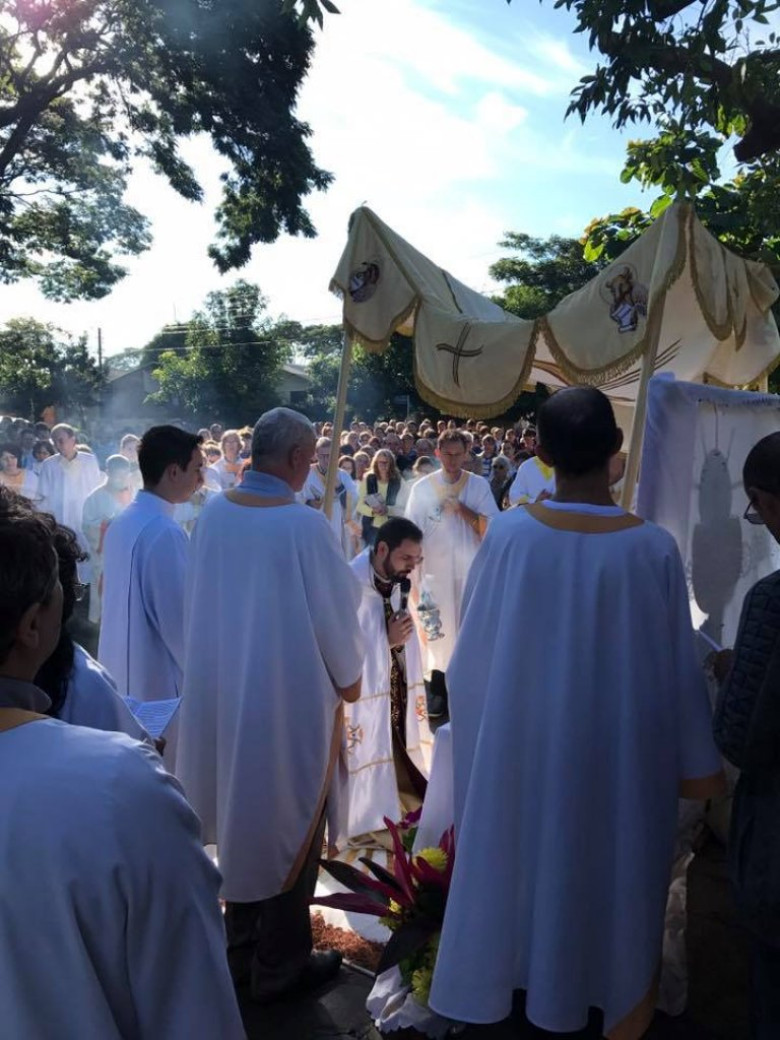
(323, 967)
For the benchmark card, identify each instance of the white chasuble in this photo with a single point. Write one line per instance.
(450, 545)
(571, 743)
(271, 632)
(144, 568)
(373, 788)
(63, 487)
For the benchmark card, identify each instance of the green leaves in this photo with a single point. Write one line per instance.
(695, 63)
(40, 365)
(88, 88)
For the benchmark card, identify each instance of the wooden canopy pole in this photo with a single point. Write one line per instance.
(654, 325)
(338, 424)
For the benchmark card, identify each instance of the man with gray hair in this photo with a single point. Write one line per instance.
(267, 671)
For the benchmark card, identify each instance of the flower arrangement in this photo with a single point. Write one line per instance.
(410, 901)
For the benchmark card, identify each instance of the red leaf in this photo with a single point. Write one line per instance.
(351, 903)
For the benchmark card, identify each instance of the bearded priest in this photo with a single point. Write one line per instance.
(388, 741)
(571, 746)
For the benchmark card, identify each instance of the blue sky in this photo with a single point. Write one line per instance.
(445, 116)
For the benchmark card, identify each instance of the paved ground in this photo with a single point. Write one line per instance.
(717, 985)
(338, 1013)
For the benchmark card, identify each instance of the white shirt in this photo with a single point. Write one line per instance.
(532, 478)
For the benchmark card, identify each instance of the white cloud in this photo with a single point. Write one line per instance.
(450, 141)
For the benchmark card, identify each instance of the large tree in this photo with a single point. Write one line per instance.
(41, 366)
(700, 63)
(229, 362)
(540, 272)
(88, 87)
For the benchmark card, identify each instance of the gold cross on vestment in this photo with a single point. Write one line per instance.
(458, 352)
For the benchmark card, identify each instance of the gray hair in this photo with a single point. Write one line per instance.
(277, 432)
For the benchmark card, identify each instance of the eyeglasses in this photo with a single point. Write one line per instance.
(752, 516)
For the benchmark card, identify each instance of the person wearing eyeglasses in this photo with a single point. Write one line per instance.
(747, 731)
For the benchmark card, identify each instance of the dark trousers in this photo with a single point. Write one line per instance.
(436, 696)
(269, 942)
(765, 991)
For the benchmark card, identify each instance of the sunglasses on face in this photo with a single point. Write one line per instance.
(752, 516)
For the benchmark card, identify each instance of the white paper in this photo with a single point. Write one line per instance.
(154, 716)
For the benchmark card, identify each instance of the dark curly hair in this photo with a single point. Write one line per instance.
(55, 673)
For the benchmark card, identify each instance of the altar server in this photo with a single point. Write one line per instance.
(570, 747)
(144, 567)
(102, 506)
(388, 740)
(110, 925)
(450, 507)
(534, 480)
(262, 715)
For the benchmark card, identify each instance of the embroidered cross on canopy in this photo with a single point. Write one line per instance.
(472, 358)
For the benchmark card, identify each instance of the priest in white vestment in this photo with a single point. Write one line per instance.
(451, 508)
(571, 745)
(102, 506)
(534, 480)
(388, 740)
(110, 925)
(65, 481)
(144, 567)
(345, 497)
(273, 650)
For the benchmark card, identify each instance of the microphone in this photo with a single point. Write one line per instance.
(405, 586)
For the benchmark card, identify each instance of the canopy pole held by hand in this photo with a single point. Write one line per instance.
(338, 424)
(655, 323)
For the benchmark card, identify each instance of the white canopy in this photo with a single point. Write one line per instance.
(676, 300)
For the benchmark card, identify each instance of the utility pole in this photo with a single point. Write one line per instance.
(100, 350)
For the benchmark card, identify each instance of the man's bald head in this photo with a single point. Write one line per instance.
(577, 431)
(762, 466)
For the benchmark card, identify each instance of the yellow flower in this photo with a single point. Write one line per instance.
(422, 979)
(392, 918)
(435, 858)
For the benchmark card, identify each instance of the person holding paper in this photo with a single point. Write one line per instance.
(747, 731)
(570, 748)
(144, 569)
(111, 925)
(262, 708)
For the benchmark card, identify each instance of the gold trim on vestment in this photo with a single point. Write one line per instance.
(12, 718)
(598, 376)
(637, 1021)
(237, 498)
(703, 787)
(581, 523)
(335, 750)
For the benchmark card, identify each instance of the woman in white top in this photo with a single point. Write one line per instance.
(22, 481)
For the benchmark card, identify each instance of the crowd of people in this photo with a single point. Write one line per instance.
(311, 657)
